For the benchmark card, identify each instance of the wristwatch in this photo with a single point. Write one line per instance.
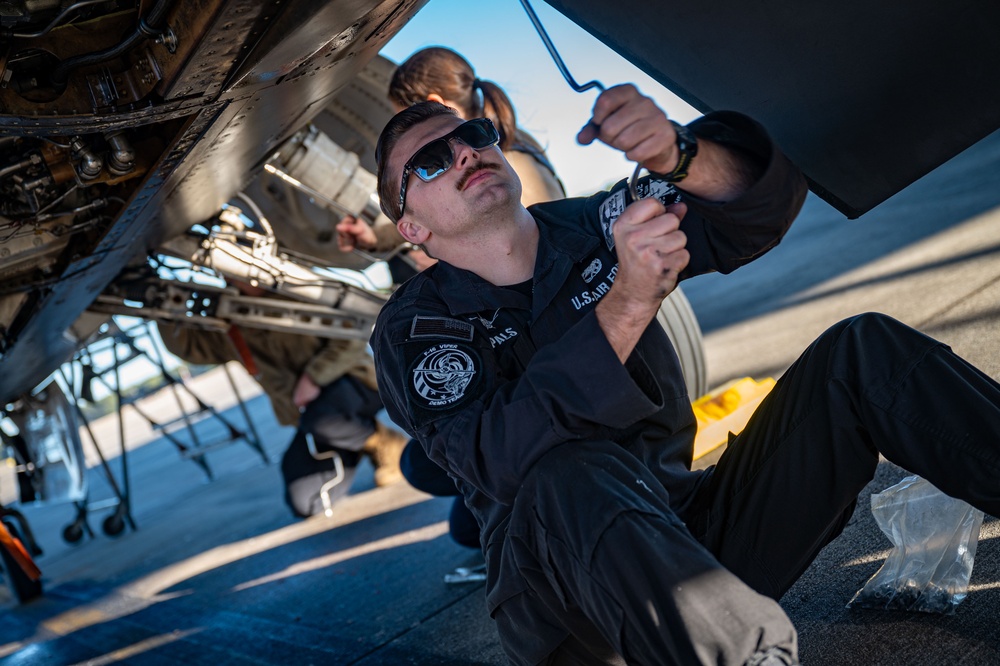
(687, 148)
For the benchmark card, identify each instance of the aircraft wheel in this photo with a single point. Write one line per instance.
(72, 533)
(679, 321)
(113, 524)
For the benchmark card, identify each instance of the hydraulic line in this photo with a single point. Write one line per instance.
(57, 20)
(148, 27)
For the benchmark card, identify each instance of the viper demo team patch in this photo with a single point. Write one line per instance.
(442, 375)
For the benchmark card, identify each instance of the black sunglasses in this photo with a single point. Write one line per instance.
(436, 157)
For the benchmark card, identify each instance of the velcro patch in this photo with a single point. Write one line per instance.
(441, 327)
(611, 209)
(442, 375)
(664, 191)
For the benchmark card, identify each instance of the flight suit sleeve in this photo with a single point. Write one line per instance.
(195, 345)
(334, 359)
(721, 237)
(724, 236)
(441, 382)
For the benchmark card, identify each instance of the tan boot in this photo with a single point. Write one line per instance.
(384, 447)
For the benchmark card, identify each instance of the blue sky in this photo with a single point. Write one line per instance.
(500, 42)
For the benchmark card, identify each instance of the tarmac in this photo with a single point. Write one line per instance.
(218, 572)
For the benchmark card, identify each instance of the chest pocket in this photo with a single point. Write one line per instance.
(572, 294)
(509, 336)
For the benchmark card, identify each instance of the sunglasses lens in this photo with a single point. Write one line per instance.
(432, 160)
(477, 134)
(437, 156)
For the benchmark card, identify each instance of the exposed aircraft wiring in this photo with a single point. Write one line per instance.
(148, 27)
(57, 20)
(258, 213)
(49, 282)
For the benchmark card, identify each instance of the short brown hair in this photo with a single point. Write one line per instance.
(398, 125)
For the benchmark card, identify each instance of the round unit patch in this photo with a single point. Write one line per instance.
(442, 374)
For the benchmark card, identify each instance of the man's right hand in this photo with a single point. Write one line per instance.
(651, 255)
(354, 233)
(305, 391)
(628, 121)
(651, 251)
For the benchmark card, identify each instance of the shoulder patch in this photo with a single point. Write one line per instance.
(664, 191)
(441, 375)
(441, 327)
(611, 209)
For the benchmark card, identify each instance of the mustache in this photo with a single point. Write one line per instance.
(471, 171)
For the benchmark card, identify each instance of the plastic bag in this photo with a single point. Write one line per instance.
(934, 541)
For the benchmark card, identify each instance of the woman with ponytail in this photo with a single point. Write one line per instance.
(441, 75)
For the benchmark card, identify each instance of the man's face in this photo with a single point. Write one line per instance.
(478, 183)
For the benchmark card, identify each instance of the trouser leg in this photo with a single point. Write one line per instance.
(598, 546)
(424, 474)
(462, 524)
(338, 422)
(788, 483)
(343, 415)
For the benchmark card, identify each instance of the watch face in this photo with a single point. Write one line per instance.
(687, 148)
(686, 141)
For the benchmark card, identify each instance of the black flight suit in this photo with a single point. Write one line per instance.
(599, 539)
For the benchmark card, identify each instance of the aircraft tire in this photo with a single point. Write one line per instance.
(679, 321)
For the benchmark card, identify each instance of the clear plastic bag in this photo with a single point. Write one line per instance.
(934, 541)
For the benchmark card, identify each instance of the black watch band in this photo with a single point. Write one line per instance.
(687, 148)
